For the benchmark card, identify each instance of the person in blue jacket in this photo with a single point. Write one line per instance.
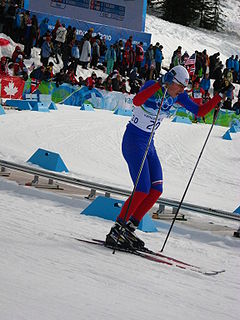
(134, 144)
(158, 58)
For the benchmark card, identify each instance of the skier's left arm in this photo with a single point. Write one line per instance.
(200, 110)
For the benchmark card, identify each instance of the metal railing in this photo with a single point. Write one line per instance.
(108, 190)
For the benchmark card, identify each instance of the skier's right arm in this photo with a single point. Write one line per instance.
(150, 87)
(146, 91)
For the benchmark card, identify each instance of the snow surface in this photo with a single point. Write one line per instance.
(44, 274)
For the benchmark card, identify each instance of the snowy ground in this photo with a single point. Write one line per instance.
(44, 274)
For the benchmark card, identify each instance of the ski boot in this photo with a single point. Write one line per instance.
(130, 235)
(116, 239)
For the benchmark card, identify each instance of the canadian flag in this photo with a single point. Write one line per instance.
(12, 87)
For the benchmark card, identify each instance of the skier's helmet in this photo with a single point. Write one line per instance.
(181, 75)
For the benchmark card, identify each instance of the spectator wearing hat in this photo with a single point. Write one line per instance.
(17, 51)
(19, 69)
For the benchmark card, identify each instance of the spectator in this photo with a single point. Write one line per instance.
(129, 55)
(206, 62)
(176, 52)
(158, 58)
(214, 64)
(60, 78)
(95, 54)
(110, 59)
(46, 51)
(20, 70)
(54, 32)
(90, 81)
(197, 95)
(81, 81)
(103, 47)
(43, 28)
(123, 86)
(149, 56)
(108, 84)
(75, 56)
(86, 52)
(17, 51)
(71, 77)
(139, 56)
(119, 56)
(230, 62)
(28, 36)
(205, 84)
(236, 106)
(38, 73)
(61, 33)
(49, 71)
(177, 59)
(3, 66)
(66, 55)
(99, 83)
(236, 70)
(116, 80)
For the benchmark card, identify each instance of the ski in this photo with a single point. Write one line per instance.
(174, 260)
(154, 256)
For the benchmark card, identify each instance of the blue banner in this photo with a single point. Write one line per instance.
(111, 34)
(128, 14)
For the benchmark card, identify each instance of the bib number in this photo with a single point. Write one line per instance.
(150, 126)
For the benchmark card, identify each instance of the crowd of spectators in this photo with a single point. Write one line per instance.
(127, 65)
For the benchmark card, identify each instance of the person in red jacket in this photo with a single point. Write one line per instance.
(139, 56)
(197, 93)
(16, 53)
(3, 66)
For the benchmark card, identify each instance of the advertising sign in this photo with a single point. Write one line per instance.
(129, 14)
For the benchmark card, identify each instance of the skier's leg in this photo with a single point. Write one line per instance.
(156, 176)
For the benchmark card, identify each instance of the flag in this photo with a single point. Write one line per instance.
(12, 87)
(190, 64)
(34, 84)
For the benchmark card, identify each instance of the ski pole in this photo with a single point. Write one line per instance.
(216, 111)
(141, 167)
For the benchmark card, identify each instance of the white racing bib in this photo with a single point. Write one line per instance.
(144, 118)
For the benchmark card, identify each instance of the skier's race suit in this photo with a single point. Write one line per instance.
(137, 135)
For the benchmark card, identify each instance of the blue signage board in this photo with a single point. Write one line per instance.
(129, 14)
(110, 33)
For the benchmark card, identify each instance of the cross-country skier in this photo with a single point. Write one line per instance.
(135, 140)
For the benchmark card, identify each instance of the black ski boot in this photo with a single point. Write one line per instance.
(116, 239)
(130, 235)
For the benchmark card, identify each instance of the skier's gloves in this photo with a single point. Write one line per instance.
(168, 77)
(225, 88)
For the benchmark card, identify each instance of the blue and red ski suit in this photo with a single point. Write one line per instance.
(136, 137)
